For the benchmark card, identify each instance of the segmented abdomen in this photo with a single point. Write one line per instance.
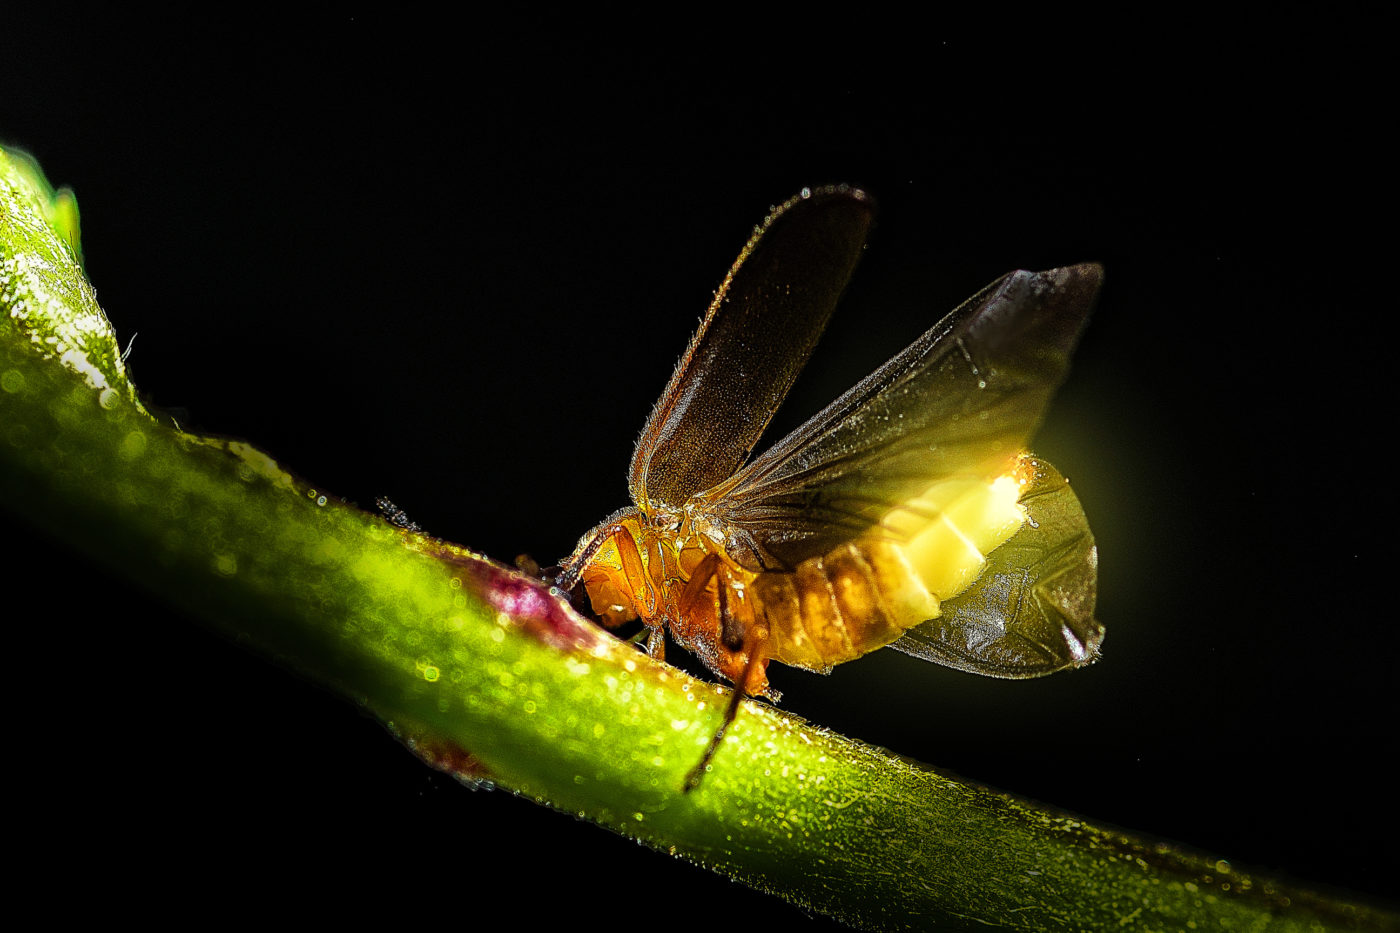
(842, 605)
(864, 594)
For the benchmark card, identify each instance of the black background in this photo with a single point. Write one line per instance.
(455, 267)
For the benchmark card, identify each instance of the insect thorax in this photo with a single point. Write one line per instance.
(644, 559)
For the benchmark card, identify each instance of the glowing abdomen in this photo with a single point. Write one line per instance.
(864, 594)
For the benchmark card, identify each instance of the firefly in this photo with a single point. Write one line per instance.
(907, 513)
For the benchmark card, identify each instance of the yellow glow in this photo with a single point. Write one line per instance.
(972, 519)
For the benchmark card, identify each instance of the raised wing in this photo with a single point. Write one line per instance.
(757, 335)
(1031, 611)
(961, 401)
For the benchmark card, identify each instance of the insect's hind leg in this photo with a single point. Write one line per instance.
(697, 773)
(738, 637)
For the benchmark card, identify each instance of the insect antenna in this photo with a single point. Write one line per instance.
(570, 576)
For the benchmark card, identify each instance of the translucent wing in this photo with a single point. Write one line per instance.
(757, 335)
(1031, 611)
(961, 401)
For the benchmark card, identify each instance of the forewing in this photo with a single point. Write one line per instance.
(755, 338)
(961, 401)
(1031, 611)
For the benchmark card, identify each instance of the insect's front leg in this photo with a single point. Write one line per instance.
(638, 580)
(636, 583)
(656, 641)
(639, 586)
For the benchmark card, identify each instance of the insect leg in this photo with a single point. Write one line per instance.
(735, 636)
(628, 553)
(656, 642)
(756, 657)
(691, 601)
(636, 573)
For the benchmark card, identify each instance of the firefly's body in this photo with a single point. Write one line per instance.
(676, 571)
(907, 512)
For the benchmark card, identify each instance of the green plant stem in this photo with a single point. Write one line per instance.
(485, 673)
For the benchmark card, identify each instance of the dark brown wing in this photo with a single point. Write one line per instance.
(1031, 611)
(962, 401)
(755, 338)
